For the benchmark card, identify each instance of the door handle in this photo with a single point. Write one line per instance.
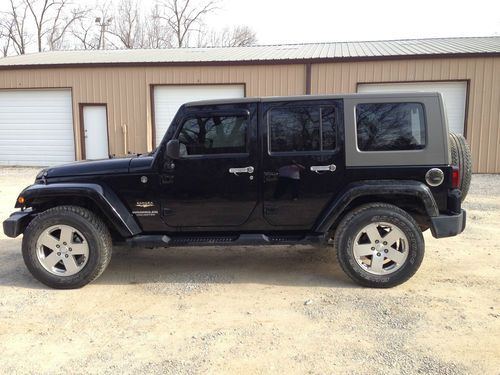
(235, 171)
(323, 168)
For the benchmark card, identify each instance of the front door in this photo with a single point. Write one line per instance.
(95, 127)
(303, 162)
(213, 184)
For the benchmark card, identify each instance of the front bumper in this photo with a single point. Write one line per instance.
(448, 225)
(17, 223)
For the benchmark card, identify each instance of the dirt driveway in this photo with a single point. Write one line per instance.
(258, 311)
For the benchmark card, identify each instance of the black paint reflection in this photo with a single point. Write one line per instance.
(289, 181)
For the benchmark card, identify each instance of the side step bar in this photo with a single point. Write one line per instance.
(254, 239)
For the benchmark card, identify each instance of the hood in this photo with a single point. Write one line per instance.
(91, 167)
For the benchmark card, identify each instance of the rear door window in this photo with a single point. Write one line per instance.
(390, 126)
(302, 129)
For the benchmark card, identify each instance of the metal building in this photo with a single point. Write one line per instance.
(61, 106)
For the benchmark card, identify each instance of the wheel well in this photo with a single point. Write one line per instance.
(411, 204)
(84, 202)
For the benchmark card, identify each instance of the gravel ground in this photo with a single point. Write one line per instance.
(258, 311)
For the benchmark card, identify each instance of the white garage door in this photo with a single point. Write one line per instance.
(454, 94)
(36, 127)
(168, 99)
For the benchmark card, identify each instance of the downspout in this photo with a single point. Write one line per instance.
(308, 78)
(125, 139)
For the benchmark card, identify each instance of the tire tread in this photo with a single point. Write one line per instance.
(461, 157)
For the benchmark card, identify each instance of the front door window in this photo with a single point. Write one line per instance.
(214, 135)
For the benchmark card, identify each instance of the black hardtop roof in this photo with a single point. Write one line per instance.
(311, 98)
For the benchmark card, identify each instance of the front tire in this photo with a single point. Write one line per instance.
(66, 247)
(379, 245)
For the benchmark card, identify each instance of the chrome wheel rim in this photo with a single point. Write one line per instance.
(62, 250)
(380, 248)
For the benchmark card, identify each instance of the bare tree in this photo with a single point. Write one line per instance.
(5, 32)
(104, 19)
(127, 25)
(237, 36)
(185, 17)
(52, 20)
(39, 16)
(240, 36)
(15, 19)
(85, 33)
(61, 23)
(91, 31)
(157, 33)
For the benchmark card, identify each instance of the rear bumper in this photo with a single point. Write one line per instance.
(448, 225)
(17, 223)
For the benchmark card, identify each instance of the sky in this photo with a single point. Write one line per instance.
(305, 21)
(309, 21)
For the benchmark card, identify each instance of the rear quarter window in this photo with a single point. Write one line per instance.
(390, 126)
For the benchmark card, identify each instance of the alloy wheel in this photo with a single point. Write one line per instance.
(380, 248)
(62, 250)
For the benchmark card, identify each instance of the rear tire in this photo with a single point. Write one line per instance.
(66, 247)
(461, 157)
(379, 245)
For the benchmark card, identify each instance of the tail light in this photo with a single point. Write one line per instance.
(455, 177)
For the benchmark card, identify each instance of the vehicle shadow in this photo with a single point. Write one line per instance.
(273, 265)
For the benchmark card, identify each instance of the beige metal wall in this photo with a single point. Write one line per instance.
(126, 91)
(483, 74)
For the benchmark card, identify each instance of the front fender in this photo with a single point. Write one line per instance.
(109, 203)
(375, 187)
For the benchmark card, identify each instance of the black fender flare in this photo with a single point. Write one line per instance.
(111, 206)
(375, 187)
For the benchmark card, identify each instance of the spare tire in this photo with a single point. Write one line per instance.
(461, 157)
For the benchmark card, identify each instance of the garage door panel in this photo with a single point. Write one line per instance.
(36, 127)
(59, 141)
(168, 99)
(57, 148)
(45, 151)
(453, 93)
(25, 114)
(30, 127)
(27, 127)
(52, 158)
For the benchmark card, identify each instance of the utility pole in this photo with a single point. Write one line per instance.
(102, 23)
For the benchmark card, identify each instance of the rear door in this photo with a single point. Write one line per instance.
(303, 161)
(212, 184)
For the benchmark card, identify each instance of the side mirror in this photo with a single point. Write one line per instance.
(173, 149)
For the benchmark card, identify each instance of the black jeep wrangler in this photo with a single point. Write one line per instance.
(365, 174)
